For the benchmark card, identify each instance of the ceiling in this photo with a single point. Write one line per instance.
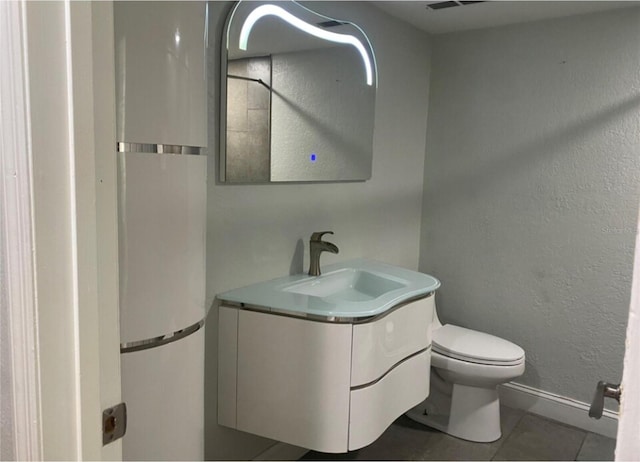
(477, 15)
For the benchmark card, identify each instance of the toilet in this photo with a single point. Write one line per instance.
(466, 368)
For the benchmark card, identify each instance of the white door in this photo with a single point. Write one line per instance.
(628, 442)
(58, 85)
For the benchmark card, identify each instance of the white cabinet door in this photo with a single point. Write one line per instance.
(163, 213)
(294, 380)
(161, 87)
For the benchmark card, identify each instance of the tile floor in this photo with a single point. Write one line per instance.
(524, 437)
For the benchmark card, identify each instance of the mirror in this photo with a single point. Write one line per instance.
(298, 96)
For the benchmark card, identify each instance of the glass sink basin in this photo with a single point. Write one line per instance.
(349, 284)
(347, 290)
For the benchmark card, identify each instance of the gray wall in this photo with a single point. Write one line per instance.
(531, 190)
(258, 232)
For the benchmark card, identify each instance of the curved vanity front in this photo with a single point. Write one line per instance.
(330, 386)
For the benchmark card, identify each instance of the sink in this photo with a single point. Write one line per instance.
(352, 285)
(347, 290)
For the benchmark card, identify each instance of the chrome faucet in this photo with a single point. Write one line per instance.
(316, 247)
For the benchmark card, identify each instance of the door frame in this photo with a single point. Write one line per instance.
(63, 233)
(19, 343)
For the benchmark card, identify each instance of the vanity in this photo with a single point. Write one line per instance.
(325, 362)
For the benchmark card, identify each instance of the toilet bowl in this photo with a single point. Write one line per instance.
(466, 368)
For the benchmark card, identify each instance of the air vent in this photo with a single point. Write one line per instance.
(327, 24)
(451, 4)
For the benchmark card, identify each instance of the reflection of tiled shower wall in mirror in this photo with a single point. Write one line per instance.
(248, 116)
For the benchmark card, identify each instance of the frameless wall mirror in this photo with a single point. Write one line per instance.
(298, 96)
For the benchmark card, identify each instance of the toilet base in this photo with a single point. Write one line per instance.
(469, 413)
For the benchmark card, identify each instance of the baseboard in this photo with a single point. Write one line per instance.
(282, 451)
(559, 408)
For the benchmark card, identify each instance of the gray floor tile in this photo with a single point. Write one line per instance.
(536, 438)
(403, 440)
(408, 440)
(597, 447)
(446, 447)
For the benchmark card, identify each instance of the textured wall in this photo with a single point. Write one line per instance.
(531, 190)
(258, 232)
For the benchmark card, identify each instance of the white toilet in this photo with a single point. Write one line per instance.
(466, 368)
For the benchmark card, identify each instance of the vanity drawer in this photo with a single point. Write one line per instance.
(375, 407)
(379, 345)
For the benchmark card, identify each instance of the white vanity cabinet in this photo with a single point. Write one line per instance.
(327, 386)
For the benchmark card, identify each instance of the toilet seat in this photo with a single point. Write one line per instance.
(475, 347)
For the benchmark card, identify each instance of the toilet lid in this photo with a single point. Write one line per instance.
(473, 346)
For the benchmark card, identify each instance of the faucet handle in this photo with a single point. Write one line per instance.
(317, 236)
